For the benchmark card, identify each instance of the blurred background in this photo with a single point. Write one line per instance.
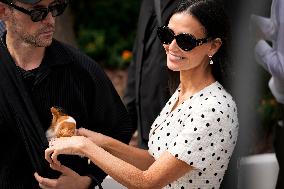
(105, 31)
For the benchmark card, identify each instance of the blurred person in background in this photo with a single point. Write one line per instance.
(269, 53)
(147, 88)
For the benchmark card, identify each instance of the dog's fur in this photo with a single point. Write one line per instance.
(62, 125)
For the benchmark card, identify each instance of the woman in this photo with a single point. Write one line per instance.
(192, 139)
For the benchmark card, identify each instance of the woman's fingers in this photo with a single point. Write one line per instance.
(51, 156)
(64, 145)
(48, 153)
(95, 137)
(84, 132)
(54, 157)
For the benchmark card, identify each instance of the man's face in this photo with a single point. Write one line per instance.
(36, 34)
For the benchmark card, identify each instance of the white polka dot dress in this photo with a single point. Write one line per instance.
(202, 131)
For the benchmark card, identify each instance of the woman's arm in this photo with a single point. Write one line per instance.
(163, 171)
(139, 158)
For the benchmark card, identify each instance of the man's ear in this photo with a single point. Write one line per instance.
(3, 12)
(215, 45)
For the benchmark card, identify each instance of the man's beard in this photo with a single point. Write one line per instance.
(35, 39)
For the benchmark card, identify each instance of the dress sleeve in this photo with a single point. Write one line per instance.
(208, 137)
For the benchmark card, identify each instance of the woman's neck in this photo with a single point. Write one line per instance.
(192, 81)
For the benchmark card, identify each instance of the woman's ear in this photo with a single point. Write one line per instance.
(215, 45)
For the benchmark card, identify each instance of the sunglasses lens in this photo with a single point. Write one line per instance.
(41, 13)
(57, 9)
(165, 35)
(38, 14)
(185, 42)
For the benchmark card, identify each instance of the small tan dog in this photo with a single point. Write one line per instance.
(62, 125)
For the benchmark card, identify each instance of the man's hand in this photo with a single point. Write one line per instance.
(69, 179)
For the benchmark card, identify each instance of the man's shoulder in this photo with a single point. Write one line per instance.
(73, 54)
(78, 59)
(69, 50)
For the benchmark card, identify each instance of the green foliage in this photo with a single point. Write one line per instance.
(106, 29)
(92, 43)
(269, 113)
(268, 110)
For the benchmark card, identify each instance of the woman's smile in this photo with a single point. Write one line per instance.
(174, 57)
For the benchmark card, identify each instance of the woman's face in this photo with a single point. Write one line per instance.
(178, 59)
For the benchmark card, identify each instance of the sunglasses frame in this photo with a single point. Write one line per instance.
(197, 42)
(45, 10)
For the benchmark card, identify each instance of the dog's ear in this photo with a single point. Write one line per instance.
(54, 111)
(59, 110)
(55, 114)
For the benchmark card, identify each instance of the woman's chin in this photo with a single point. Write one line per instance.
(173, 67)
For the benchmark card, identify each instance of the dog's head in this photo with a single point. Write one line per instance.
(62, 125)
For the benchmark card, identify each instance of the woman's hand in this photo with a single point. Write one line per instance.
(97, 138)
(66, 145)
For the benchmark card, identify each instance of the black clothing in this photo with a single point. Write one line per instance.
(68, 79)
(147, 86)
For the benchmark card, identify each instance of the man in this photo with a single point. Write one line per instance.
(38, 72)
(147, 87)
(271, 58)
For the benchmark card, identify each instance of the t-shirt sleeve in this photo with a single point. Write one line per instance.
(208, 137)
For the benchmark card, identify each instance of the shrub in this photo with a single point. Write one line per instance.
(105, 30)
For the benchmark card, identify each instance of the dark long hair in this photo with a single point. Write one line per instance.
(212, 16)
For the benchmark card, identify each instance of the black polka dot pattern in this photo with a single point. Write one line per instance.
(201, 131)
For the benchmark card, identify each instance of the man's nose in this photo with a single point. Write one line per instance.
(49, 19)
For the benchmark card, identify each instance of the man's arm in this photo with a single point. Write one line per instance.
(263, 25)
(272, 59)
